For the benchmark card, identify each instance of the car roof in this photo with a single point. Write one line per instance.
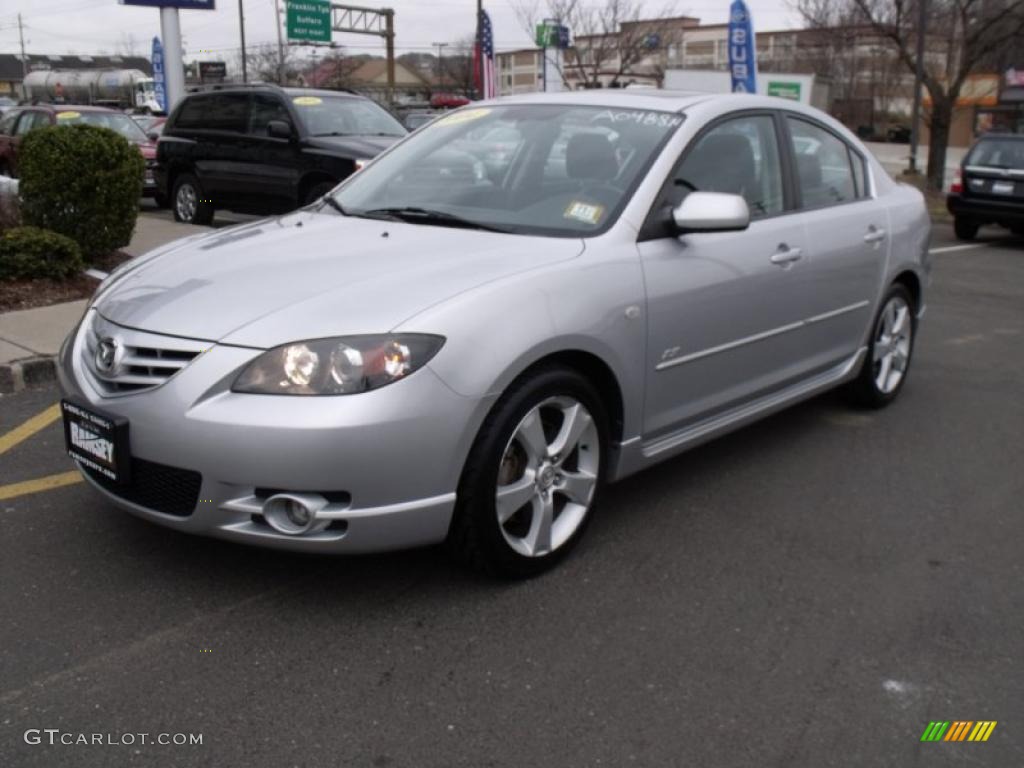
(998, 135)
(621, 98)
(68, 108)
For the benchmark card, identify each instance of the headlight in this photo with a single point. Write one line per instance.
(340, 366)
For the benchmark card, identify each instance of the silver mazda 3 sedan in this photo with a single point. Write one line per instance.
(465, 340)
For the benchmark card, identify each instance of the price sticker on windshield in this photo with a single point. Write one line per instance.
(464, 116)
(68, 115)
(588, 213)
(307, 101)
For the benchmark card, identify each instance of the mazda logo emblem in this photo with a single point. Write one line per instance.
(106, 355)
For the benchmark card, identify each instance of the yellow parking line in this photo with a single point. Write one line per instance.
(47, 483)
(29, 428)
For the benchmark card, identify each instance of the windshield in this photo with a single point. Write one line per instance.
(115, 121)
(998, 153)
(326, 116)
(533, 169)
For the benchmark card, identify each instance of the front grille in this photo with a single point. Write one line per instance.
(142, 360)
(159, 487)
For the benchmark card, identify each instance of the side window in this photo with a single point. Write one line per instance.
(7, 123)
(264, 109)
(859, 175)
(29, 120)
(227, 112)
(192, 113)
(822, 165)
(738, 157)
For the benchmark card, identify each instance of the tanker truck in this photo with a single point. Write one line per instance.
(119, 88)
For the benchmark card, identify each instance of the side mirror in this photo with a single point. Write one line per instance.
(279, 129)
(711, 212)
(153, 136)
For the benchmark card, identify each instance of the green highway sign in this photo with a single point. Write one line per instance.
(784, 90)
(309, 21)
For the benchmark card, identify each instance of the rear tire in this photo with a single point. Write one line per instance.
(190, 204)
(965, 229)
(528, 489)
(887, 364)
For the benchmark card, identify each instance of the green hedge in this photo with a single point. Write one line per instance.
(81, 181)
(28, 252)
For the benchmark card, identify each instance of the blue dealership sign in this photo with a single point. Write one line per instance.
(159, 82)
(191, 5)
(742, 58)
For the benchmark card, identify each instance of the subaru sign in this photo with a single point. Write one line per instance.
(742, 59)
(188, 5)
(159, 82)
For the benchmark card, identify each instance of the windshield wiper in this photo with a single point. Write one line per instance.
(329, 200)
(414, 215)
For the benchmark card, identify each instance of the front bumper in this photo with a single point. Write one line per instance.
(393, 456)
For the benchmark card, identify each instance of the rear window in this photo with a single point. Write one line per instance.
(998, 153)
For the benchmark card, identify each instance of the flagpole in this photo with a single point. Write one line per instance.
(479, 43)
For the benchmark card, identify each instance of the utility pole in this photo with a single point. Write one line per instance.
(280, 42)
(24, 58)
(440, 60)
(241, 29)
(915, 120)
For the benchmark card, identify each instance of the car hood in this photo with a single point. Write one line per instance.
(355, 146)
(312, 274)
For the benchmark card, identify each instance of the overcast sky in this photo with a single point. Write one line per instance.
(97, 26)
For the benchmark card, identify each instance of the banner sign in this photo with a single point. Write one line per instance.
(188, 5)
(159, 81)
(742, 59)
(308, 21)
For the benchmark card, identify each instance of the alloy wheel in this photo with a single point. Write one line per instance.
(892, 345)
(186, 202)
(547, 476)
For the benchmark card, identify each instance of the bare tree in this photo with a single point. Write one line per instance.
(459, 72)
(264, 64)
(614, 41)
(128, 45)
(963, 37)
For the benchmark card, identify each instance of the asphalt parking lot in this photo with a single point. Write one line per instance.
(810, 591)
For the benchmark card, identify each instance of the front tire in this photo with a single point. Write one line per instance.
(964, 228)
(533, 475)
(892, 345)
(190, 204)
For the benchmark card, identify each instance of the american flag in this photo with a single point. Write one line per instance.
(483, 57)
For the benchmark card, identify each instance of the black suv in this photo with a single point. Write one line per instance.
(989, 186)
(265, 149)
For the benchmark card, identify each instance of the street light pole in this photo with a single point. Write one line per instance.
(241, 30)
(915, 120)
(440, 61)
(280, 43)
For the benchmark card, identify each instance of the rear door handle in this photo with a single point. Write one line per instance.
(874, 235)
(786, 255)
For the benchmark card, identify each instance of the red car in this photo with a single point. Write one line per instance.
(18, 121)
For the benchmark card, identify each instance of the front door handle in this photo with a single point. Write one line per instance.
(786, 255)
(874, 235)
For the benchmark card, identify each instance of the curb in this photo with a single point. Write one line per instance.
(26, 374)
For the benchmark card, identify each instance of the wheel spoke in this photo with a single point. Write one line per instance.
(531, 437)
(538, 540)
(881, 349)
(578, 487)
(882, 378)
(900, 321)
(511, 498)
(576, 420)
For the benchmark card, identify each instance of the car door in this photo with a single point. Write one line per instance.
(845, 235)
(217, 122)
(725, 310)
(271, 164)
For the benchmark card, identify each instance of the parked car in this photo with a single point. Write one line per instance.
(151, 125)
(898, 134)
(20, 120)
(265, 149)
(988, 187)
(424, 357)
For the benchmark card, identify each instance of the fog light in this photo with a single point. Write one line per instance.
(294, 513)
